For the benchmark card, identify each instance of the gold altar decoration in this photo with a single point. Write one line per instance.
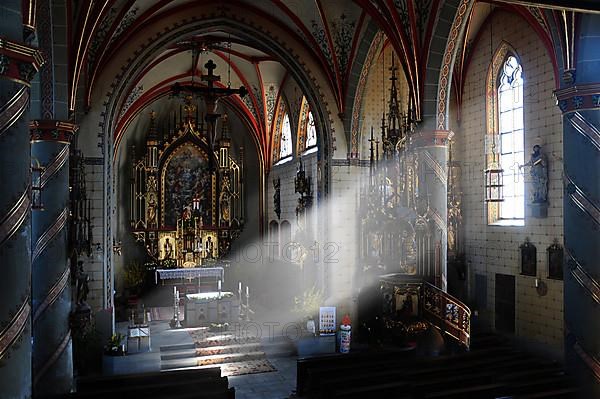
(395, 217)
(186, 191)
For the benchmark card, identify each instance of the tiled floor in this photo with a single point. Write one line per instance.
(273, 385)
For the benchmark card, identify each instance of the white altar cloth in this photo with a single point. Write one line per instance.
(191, 272)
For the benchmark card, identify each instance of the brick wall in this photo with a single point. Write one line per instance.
(495, 249)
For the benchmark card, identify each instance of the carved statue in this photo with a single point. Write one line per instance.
(151, 212)
(209, 247)
(225, 209)
(168, 249)
(82, 285)
(539, 175)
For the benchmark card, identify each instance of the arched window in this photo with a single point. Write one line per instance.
(506, 137)
(285, 146)
(307, 131)
(512, 156)
(311, 132)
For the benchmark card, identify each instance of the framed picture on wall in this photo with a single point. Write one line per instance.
(528, 258)
(555, 261)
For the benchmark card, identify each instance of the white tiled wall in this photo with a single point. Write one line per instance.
(495, 249)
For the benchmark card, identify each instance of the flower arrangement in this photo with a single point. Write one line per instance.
(308, 304)
(115, 347)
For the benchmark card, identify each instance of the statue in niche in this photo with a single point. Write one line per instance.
(539, 175)
(151, 212)
(209, 247)
(225, 217)
(168, 249)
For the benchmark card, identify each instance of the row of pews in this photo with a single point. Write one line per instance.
(492, 369)
(185, 384)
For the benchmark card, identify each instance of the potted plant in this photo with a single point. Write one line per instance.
(134, 274)
(115, 345)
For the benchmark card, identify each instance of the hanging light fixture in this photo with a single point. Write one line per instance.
(493, 174)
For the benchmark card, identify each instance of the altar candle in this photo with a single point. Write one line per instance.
(240, 287)
(174, 291)
(219, 285)
(247, 291)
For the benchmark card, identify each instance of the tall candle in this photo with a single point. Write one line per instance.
(240, 286)
(219, 285)
(247, 291)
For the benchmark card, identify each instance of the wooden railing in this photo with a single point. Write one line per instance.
(447, 313)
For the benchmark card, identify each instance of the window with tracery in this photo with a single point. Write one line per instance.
(311, 132)
(506, 134)
(307, 130)
(285, 146)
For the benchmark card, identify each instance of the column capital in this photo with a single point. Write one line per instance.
(19, 62)
(432, 138)
(52, 130)
(578, 97)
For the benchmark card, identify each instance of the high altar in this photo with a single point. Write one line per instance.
(187, 202)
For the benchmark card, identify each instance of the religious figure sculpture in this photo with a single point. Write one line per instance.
(151, 213)
(82, 285)
(168, 249)
(209, 247)
(539, 175)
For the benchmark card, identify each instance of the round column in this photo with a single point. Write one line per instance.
(18, 64)
(50, 284)
(432, 156)
(579, 101)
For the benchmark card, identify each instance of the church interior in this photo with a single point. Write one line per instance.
(300, 199)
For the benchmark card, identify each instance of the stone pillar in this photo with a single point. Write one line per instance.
(51, 293)
(18, 64)
(579, 100)
(432, 157)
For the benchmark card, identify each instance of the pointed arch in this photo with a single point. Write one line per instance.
(282, 133)
(505, 133)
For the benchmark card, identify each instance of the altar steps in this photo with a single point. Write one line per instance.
(212, 350)
(210, 360)
(235, 354)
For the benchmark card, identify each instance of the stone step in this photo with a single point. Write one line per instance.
(212, 360)
(226, 339)
(211, 350)
(177, 347)
(226, 368)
